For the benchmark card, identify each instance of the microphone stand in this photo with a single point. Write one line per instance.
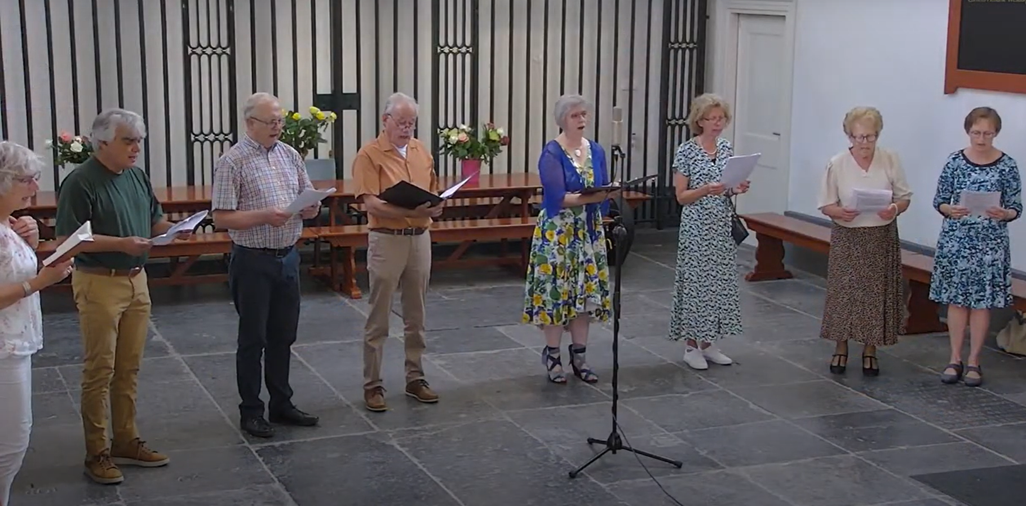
(614, 442)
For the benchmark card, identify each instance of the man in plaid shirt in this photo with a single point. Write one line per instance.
(253, 183)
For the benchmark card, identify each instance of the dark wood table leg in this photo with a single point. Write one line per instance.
(922, 312)
(769, 260)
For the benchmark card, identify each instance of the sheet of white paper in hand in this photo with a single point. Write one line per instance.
(455, 188)
(83, 234)
(978, 202)
(307, 199)
(870, 200)
(187, 225)
(738, 170)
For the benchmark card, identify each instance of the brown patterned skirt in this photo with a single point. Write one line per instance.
(865, 299)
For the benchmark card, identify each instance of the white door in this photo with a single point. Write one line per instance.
(759, 110)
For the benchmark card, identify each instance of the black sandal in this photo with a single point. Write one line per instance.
(551, 360)
(581, 369)
(841, 365)
(951, 379)
(973, 381)
(870, 371)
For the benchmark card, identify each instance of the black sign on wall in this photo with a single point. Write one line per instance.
(986, 45)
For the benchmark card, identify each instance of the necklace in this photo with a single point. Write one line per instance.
(577, 152)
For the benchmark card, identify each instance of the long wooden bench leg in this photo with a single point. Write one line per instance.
(922, 312)
(349, 286)
(769, 260)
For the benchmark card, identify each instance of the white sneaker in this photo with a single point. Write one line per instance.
(714, 355)
(695, 359)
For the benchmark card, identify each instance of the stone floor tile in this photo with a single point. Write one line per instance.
(875, 430)
(1008, 440)
(700, 410)
(713, 487)
(759, 443)
(935, 458)
(800, 400)
(833, 481)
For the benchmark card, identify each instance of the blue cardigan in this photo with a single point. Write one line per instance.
(559, 177)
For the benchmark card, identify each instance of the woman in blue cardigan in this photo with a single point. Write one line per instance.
(568, 275)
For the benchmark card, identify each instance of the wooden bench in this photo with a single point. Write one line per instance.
(182, 255)
(346, 238)
(773, 230)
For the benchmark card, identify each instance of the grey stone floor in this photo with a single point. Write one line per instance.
(774, 429)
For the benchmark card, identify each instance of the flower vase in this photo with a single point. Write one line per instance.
(472, 169)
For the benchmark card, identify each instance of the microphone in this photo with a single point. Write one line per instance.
(617, 126)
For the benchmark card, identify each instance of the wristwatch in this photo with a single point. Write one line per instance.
(27, 288)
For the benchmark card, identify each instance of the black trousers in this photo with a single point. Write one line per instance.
(265, 288)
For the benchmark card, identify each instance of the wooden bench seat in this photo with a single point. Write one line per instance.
(346, 238)
(773, 230)
(633, 198)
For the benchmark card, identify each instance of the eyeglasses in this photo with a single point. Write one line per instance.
(408, 124)
(272, 123)
(716, 119)
(863, 138)
(985, 135)
(28, 179)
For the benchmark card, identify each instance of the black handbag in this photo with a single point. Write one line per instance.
(738, 230)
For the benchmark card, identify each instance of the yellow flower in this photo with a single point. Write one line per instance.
(550, 235)
(590, 269)
(319, 115)
(493, 135)
(563, 239)
(589, 288)
(537, 233)
(536, 300)
(603, 275)
(544, 317)
(296, 116)
(545, 269)
(284, 113)
(332, 117)
(314, 110)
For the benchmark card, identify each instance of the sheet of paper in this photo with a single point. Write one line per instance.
(979, 202)
(83, 234)
(739, 169)
(307, 199)
(451, 191)
(187, 225)
(870, 200)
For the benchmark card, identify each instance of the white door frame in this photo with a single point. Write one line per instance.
(727, 19)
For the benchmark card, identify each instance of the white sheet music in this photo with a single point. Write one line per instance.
(83, 234)
(307, 199)
(738, 169)
(188, 224)
(979, 202)
(455, 188)
(870, 200)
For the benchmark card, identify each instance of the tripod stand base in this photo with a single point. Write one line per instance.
(615, 444)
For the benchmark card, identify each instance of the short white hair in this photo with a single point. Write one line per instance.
(17, 161)
(568, 103)
(256, 100)
(397, 99)
(106, 124)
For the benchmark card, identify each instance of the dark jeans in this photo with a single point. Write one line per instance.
(265, 288)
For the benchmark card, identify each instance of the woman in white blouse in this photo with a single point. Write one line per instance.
(20, 318)
(864, 301)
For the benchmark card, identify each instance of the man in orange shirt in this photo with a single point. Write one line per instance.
(399, 246)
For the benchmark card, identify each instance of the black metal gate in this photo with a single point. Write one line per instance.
(474, 61)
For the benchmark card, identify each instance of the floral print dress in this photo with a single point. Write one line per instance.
(706, 297)
(972, 266)
(568, 272)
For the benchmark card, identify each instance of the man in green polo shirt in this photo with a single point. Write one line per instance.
(110, 288)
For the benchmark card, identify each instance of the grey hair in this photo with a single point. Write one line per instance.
(106, 124)
(17, 161)
(567, 103)
(255, 100)
(397, 99)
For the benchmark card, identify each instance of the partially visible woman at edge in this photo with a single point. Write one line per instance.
(568, 276)
(972, 268)
(21, 322)
(865, 299)
(706, 296)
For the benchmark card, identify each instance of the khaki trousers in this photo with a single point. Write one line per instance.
(114, 316)
(403, 262)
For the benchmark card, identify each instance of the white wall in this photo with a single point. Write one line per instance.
(528, 118)
(889, 54)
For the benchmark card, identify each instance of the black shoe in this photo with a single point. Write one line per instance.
(294, 416)
(838, 363)
(873, 364)
(256, 426)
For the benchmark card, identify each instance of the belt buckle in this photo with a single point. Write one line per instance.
(408, 231)
(134, 271)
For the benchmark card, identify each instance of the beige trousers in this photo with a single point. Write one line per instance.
(403, 262)
(114, 316)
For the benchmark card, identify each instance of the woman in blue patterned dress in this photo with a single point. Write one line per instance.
(706, 296)
(972, 266)
(568, 276)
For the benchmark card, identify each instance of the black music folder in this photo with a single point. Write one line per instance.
(616, 186)
(409, 196)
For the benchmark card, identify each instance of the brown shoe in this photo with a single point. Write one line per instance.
(101, 469)
(374, 399)
(419, 389)
(135, 453)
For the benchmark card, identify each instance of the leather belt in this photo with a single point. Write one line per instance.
(400, 231)
(102, 271)
(277, 253)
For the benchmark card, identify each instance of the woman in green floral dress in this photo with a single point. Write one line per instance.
(568, 275)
